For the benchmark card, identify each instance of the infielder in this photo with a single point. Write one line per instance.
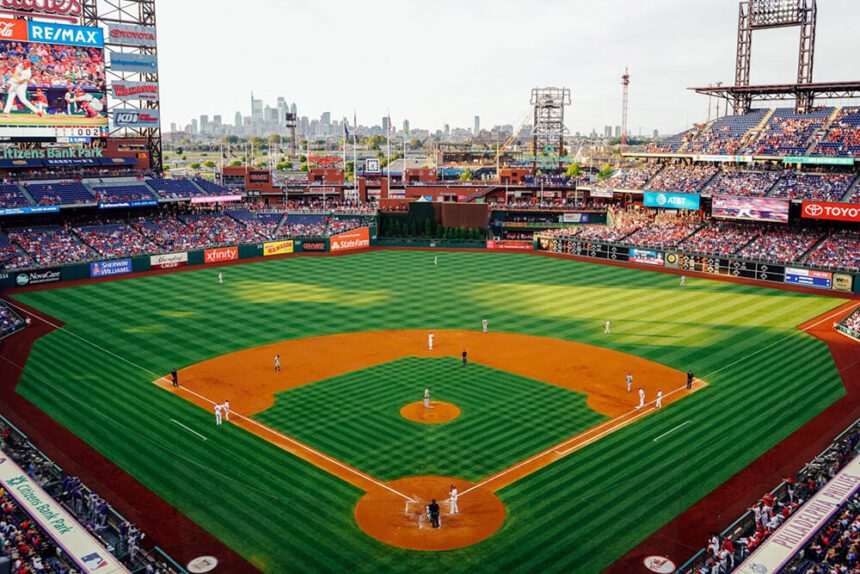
(430, 341)
(629, 380)
(454, 496)
(659, 403)
(18, 87)
(641, 398)
(277, 363)
(607, 328)
(426, 397)
(218, 415)
(227, 411)
(485, 325)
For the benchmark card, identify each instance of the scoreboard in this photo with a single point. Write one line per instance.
(732, 267)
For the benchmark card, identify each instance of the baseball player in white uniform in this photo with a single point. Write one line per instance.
(683, 280)
(607, 328)
(426, 397)
(641, 398)
(227, 411)
(88, 103)
(17, 85)
(430, 341)
(436, 261)
(485, 325)
(218, 415)
(629, 380)
(455, 509)
(659, 403)
(277, 363)
(220, 278)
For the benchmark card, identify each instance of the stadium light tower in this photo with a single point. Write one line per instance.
(549, 128)
(625, 82)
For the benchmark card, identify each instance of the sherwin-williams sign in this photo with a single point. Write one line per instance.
(82, 548)
(108, 268)
(665, 200)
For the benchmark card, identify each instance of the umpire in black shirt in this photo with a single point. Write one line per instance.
(434, 513)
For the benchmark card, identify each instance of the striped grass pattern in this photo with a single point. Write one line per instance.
(287, 516)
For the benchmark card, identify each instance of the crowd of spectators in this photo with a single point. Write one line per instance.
(50, 245)
(787, 133)
(60, 193)
(683, 178)
(123, 193)
(725, 553)
(342, 224)
(726, 135)
(720, 238)
(852, 323)
(300, 225)
(780, 245)
(843, 136)
(633, 178)
(737, 183)
(11, 196)
(115, 240)
(219, 229)
(813, 186)
(664, 235)
(11, 257)
(9, 320)
(839, 251)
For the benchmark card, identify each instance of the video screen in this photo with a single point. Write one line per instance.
(53, 81)
(750, 209)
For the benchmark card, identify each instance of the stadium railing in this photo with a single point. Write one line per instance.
(746, 524)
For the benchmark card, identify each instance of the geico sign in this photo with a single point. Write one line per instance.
(222, 254)
(831, 211)
(58, 7)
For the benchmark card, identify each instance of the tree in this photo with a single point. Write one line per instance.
(605, 173)
(574, 170)
(230, 140)
(194, 165)
(180, 150)
(275, 139)
(209, 164)
(304, 167)
(261, 164)
(466, 175)
(236, 163)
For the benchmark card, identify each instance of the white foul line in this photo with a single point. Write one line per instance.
(188, 429)
(673, 430)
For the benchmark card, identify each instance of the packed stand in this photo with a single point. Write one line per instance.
(299, 225)
(727, 135)
(116, 240)
(11, 257)
(787, 133)
(843, 137)
(218, 229)
(20, 534)
(123, 193)
(50, 245)
(263, 224)
(9, 321)
(840, 251)
(683, 178)
(341, 225)
(169, 233)
(814, 187)
(74, 193)
(630, 178)
(780, 245)
(851, 324)
(11, 196)
(743, 183)
(673, 144)
(719, 238)
(665, 235)
(725, 553)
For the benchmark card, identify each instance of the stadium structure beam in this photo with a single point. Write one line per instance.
(549, 128)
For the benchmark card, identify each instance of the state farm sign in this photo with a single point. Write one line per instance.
(221, 254)
(351, 240)
(831, 211)
(55, 7)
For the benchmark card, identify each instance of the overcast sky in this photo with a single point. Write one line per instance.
(444, 61)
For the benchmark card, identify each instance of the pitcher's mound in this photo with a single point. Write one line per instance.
(389, 518)
(439, 413)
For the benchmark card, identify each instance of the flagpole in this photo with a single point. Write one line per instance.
(388, 145)
(354, 156)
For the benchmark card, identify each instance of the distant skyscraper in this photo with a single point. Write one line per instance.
(325, 119)
(217, 122)
(193, 126)
(618, 131)
(173, 127)
(385, 126)
(204, 124)
(607, 131)
(477, 125)
(406, 126)
(237, 120)
(293, 109)
(256, 109)
(447, 129)
(656, 134)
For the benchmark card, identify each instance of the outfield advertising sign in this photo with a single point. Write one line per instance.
(647, 256)
(221, 254)
(818, 160)
(277, 248)
(524, 245)
(351, 240)
(809, 278)
(664, 200)
(109, 268)
(38, 277)
(313, 246)
(831, 211)
(168, 260)
(30, 210)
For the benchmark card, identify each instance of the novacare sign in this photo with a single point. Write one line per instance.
(831, 211)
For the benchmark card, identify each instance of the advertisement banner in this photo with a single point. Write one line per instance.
(372, 165)
(664, 200)
(67, 10)
(277, 248)
(134, 63)
(259, 176)
(574, 218)
(724, 158)
(131, 118)
(510, 244)
(646, 256)
(221, 254)
(168, 260)
(38, 277)
(215, 198)
(108, 268)
(808, 278)
(818, 160)
(602, 193)
(831, 211)
(126, 204)
(64, 34)
(351, 240)
(313, 246)
(750, 208)
(843, 282)
(78, 544)
(798, 530)
(130, 35)
(29, 210)
(127, 91)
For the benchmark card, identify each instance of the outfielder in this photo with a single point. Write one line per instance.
(607, 328)
(430, 341)
(436, 261)
(683, 280)
(629, 380)
(218, 415)
(641, 398)
(426, 397)
(18, 87)
(220, 278)
(455, 509)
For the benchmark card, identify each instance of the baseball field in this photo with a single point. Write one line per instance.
(319, 464)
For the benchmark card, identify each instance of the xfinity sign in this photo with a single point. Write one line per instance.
(831, 211)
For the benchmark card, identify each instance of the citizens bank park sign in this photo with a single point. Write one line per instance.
(831, 211)
(72, 8)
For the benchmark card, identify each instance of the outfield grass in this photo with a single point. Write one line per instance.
(504, 418)
(287, 516)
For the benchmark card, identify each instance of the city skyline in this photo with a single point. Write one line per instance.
(440, 86)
